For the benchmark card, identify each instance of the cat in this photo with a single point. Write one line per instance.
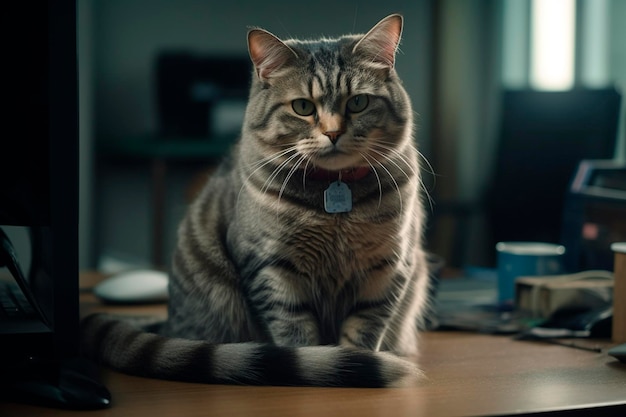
(301, 262)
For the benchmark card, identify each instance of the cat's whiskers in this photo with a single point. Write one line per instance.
(387, 158)
(272, 177)
(288, 147)
(393, 180)
(431, 201)
(390, 160)
(258, 165)
(380, 186)
(431, 171)
(396, 153)
(306, 167)
(429, 168)
(293, 169)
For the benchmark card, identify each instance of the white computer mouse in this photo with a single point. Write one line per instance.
(139, 286)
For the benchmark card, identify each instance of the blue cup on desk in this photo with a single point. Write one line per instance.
(518, 259)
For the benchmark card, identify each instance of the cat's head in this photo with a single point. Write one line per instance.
(329, 104)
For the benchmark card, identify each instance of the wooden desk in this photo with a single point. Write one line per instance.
(467, 375)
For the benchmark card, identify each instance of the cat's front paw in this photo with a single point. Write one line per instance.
(404, 372)
(354, 335)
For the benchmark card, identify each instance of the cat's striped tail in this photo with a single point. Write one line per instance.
(126, 348)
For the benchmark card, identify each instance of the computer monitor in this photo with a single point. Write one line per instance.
(39, 156)
(39, 193)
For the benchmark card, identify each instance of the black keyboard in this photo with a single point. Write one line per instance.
(13, 303)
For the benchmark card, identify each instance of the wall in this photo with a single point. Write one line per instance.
(617, 63)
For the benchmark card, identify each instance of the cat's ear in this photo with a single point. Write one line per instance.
(269, 54)
(379, 45)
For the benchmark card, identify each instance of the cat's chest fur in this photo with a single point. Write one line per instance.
(329, 252)
(337, 249)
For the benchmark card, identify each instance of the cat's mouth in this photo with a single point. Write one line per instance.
(345, 175)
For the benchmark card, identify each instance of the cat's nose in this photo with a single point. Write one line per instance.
(334, 135)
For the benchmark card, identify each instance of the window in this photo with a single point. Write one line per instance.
(555, 44)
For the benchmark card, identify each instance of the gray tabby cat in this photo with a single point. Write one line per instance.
(301, 262)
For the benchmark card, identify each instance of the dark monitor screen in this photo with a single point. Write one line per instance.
(39, 195)
(39, 153)
(25, 147)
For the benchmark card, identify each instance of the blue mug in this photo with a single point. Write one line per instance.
(517, 259)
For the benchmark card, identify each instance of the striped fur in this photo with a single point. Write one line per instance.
(268, 288)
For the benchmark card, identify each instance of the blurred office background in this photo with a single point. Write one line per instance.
(456, 58)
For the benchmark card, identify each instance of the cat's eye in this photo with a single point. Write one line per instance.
(357, 103)
(303, 107)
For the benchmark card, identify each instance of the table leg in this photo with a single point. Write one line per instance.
(159, 171)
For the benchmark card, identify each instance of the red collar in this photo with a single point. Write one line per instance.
(347, 175)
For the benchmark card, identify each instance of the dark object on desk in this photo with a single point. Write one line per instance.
(30, 371)
(594, 215)
(39, 195)
(71, 384)
(471, 303)
(618, 352)
(190, 86)
(595, 324)
(543, 137)
(25, 332)
(540, 297)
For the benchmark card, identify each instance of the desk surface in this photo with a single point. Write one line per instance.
(467, 374)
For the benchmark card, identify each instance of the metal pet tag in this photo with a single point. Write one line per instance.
(338, 198)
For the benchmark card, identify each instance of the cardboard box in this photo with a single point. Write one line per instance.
(542, 296)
